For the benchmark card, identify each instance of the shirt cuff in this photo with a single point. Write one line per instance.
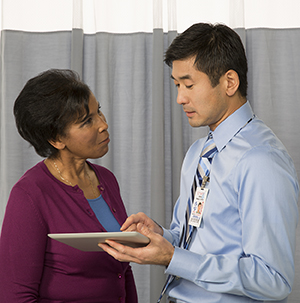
(184, 264)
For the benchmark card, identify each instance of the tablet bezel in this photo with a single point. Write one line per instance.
(90, 241)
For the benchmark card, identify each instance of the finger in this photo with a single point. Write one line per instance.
(121, 248)
(132, 227)
(110, 250)
(133, 219)
(118, 251)
(128, 222)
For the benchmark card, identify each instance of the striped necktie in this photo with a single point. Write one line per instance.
(200, 179)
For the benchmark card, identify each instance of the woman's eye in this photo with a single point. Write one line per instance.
(189, 86)
(88, 121)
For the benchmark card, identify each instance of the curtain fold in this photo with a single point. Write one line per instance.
(77, 51)
(157, 152)
(119, 54)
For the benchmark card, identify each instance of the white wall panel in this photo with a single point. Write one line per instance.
(128, 16)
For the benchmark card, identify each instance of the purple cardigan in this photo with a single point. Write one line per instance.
(35, 268)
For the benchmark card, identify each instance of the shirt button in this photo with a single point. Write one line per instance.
(120, 276)
(114, 210)
(101, 188)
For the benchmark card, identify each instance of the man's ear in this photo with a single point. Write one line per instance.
(58, 144)
(233, 82)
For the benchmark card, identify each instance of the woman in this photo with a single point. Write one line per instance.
(61, 118)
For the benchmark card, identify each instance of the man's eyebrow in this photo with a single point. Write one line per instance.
(185, 77)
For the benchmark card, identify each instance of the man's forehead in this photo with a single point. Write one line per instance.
(184, 77)
(184, 67)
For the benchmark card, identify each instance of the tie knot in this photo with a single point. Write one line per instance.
(209, 148)
(209, 151)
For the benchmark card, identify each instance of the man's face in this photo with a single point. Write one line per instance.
(203, 104)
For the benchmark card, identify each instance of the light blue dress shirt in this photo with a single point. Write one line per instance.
(244, 249)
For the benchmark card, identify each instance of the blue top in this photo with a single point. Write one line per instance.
(244, 249)
(104, 214)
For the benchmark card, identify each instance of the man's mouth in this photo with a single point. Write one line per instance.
(189, 113)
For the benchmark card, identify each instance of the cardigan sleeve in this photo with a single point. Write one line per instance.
(22, 248)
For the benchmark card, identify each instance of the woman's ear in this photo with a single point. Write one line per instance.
(58, 144)
(233, 82)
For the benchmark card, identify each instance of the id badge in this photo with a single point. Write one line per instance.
(198, 207)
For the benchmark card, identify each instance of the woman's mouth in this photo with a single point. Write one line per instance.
(105, 141)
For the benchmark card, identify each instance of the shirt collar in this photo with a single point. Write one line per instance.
(232, 125)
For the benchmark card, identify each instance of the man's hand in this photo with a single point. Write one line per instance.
(131, 223)
(159, 251)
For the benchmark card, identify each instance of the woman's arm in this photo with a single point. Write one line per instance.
(22, 248)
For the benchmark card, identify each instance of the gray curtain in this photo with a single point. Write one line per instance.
(149, 132)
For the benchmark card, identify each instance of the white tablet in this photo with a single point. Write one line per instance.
(90, 241)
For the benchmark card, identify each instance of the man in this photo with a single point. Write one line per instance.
(243, 249)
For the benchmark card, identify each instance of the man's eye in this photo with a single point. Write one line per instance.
(189, 86)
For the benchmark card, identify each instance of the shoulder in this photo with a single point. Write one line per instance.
(262, 143)
(33, 177)
(29, 191)
(259, 150)
(36, 185)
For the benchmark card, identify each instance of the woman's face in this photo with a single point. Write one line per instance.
(88, 138)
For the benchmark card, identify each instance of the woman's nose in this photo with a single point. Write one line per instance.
(102, 123)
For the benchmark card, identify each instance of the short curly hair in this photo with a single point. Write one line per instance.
(47, 105)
